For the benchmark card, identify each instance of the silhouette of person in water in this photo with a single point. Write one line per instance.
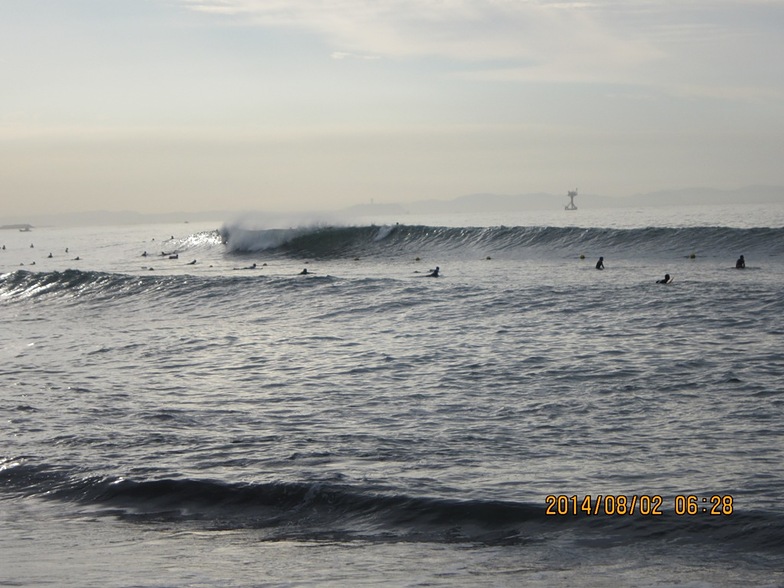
(666, 280)
(741, 263)
(434, 273)
(600, 263)
(304, 272)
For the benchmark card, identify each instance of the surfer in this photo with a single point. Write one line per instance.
(600, 263)
(666, 280)
(434, 273)
(304, 272)
(192, 262)
(741, 263)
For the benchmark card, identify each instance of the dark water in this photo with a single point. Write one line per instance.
(206, 425)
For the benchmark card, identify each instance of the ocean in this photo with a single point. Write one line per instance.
(208, 415)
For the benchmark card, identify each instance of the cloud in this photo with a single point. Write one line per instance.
(345, 55)
(692, 42)
(463, 30)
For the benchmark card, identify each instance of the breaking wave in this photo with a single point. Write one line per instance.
(315, 510)
(395, 240)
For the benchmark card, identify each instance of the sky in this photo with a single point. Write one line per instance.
(310, 105)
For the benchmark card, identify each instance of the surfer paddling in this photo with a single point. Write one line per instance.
(665, 280)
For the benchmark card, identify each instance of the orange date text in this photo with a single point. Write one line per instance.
(637, 504)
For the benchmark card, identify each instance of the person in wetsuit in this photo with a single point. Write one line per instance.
(741, 263)
(666, 280)
(434, 273)
(600, 263)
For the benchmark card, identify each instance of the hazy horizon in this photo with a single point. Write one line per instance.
(162, 106)
(755, 196)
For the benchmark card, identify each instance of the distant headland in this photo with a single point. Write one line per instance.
(21, 227)
(471, 203)
(487, 202)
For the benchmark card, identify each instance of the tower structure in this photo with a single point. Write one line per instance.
(571, 194)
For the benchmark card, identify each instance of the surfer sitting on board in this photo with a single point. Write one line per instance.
(600, 263)
(434, 273)
(741, 263)
(666, 280)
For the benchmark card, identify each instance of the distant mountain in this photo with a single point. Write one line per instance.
(471, 203)
(487, 203)
(476, 203)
